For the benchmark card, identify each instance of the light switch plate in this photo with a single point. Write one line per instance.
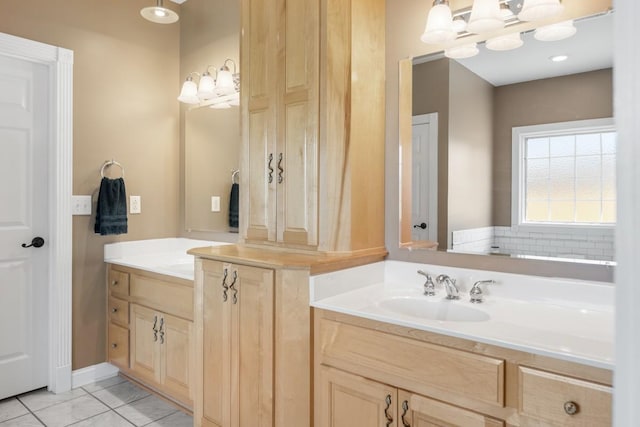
(135, 205)
(81, 205)
(215, 203)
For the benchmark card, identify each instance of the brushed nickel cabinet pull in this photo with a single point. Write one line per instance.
(233, 288)
(280, 170)
(571, 408)
(386, 410)
(405, 409)
(270, 167)
(224, 285)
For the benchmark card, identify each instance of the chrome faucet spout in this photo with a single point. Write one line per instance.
(449, 286)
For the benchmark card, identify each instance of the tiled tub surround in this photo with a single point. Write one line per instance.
(164, 256)
(596, 244)
(565, 319)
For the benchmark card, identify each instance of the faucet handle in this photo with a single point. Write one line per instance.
(475, 294)
(429, 286)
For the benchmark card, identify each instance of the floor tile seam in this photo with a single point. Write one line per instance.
(17, 416)
(102, 388)
(49, 406)
(160, 419)
(56, 404)
(120, 406)
(29, 411)
(97, 415)
(94, 415)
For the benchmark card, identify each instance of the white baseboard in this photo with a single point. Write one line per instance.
(94, 373)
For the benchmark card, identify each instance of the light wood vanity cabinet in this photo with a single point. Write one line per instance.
(368, 373)
(150, 330)
(237, 359)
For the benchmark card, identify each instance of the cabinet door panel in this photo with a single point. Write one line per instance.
(144, 343)
(216, 404)
(424, 412)
(177, 357)
(348, 400)
(252, 360)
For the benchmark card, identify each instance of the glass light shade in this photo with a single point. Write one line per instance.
(206, 88)
(534, 10)
(159, 14)
(189, 92)
(224, 82)
(235, 100)
(220, 106)
(439, 28)
(485, 17)
(506, 42)
(555, 32)
(459, 25)
(461, 52)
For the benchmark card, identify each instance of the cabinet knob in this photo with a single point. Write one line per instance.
(571, 408)
(114, 345)
(114, 310)
(114, 283)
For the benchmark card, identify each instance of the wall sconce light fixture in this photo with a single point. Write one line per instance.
(159, 14)
(223, 91)
(485, 16)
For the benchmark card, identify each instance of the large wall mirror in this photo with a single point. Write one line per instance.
(457, 119)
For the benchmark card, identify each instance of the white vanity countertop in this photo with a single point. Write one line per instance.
(566, 319)
(164, 256)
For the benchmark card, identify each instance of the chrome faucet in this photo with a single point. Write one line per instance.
(429, 287)
(449, 286)
(475, 294)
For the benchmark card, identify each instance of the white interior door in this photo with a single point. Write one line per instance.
(24, 128)
(424, 176)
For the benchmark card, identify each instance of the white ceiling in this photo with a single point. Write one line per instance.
(591, 48)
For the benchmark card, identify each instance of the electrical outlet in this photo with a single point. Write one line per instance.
(135, 206)
(215, 203)
(81, 205)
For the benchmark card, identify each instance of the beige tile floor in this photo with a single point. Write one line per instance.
(113, 402)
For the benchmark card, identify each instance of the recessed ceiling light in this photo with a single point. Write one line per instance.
(558, 58)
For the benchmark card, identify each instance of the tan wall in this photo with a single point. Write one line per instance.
(560, 99)
(404, 24)
(125, 84)
(431, 95)
(470, 150)
(210, 139)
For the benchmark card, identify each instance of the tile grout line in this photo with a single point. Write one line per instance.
(30, 411)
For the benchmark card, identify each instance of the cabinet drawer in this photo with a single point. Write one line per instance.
(118, 346)
(543, 395)
(118, 282)
(169, 297)
(118, 311)
(441, 371)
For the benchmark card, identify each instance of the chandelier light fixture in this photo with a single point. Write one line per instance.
(159, 14)
(445, 26)
(223, 91)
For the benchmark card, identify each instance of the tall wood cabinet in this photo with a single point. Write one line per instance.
(313, 124)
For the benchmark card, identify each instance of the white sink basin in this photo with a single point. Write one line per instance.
(423, 308)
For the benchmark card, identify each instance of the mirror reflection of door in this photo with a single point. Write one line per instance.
(424, 166)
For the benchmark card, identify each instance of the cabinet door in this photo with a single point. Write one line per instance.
(176, 343)
(297, 122)
(259, 157)
(419, 411)
(252, 346)
(216, 361)
(145, 327)
(348, 400)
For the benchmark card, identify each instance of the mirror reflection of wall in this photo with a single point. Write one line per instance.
(479, 101)
(211, 137)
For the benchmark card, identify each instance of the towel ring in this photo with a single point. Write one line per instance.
(111, 163)
(234, 176)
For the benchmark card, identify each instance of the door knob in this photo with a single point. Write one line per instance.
(37, 242)
(422, 225)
